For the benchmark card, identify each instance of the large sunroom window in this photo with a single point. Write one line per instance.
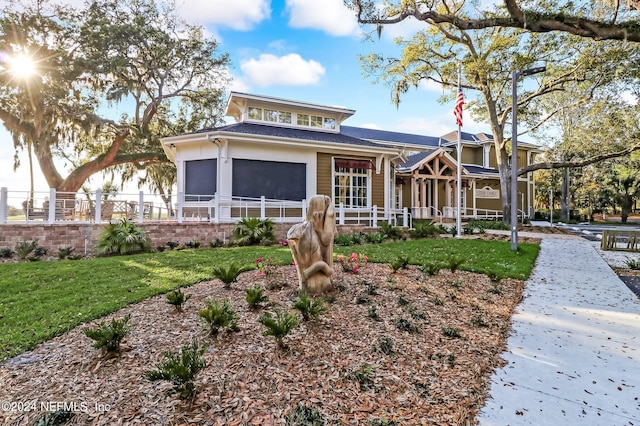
(351, 182)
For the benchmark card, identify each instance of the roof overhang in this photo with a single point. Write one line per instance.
(172, 143)
(237, 104)
(440, 152)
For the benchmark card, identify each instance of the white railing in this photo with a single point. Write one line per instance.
(426, 213)
(97, 207)
(92, 207)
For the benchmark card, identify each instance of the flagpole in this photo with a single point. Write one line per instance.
(459, 171)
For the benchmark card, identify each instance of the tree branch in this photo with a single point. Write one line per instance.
(548, 165)
(524, 19)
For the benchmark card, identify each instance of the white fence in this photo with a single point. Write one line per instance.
(97, 207)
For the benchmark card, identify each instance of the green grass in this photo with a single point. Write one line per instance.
(40, 300)
(482, 256)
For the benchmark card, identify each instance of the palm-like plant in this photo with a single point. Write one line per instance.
(230, 274)
(280, 325)
(181, 369)
(219, 315)
(123, 237)
(177, 298)
(107, 336)
(255, 296)
(308, 307)
(252, 231)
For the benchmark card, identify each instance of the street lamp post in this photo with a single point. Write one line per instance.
(514, 151)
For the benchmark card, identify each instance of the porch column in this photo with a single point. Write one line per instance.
(436, 197)
(414, 202)
(4, 204)
(473, 189)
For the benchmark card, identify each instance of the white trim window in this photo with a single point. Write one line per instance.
(351, 180)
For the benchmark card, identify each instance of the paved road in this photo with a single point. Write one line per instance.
(573, 356)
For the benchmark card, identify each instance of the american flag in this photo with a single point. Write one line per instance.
(457, 111)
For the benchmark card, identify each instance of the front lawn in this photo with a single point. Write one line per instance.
(40, 300)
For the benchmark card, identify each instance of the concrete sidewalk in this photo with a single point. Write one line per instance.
(574, 351)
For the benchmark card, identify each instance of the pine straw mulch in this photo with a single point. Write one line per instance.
(428, 379)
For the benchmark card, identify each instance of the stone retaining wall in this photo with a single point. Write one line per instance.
(74, 235)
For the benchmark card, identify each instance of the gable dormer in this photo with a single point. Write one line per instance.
(267, 110)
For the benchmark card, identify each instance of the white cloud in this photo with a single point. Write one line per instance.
(239, 85)
(629, 97)
(437, 124)
(431, 86)
(330, 16)
(240, 15)
(288, 70)
(405, 29)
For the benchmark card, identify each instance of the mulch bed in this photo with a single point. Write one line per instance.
(431, 377)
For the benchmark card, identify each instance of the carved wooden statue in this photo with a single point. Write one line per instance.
(311, 244)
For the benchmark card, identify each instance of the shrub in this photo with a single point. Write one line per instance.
(192, 244)
(342, 240)
(456, 285)
(430, 268)
(305, 416)
(361, 299)
(253, 231)
(280, 325)
(65, 252)
(25, 248)
(389, 231)
(123, 237)
(400, 262)
(55, 418)
(372, 313)
(372, 289)
(382, 422)
(160, 248)
(108, 336)
(478, 321)
(406, 325)
(181, 369)
(255, 296)
(488, 224)
(219, 315)
(385, 345)
(6, 252)
(266, 266)
(310, 308)
(424, 230)
(633, 264)
(403, 301)
(495, 288)
(451, 332)
(353, 262)
(230, 274)
(374, 238)
(362, 376)
(494, 277)
(177, 298)
(216, 243)
(454, 262)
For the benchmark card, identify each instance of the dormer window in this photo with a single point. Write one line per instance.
(330, 123)
(288, 117)
(316, 121)
(255, 113)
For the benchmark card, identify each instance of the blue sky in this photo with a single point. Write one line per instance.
(304, 50)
